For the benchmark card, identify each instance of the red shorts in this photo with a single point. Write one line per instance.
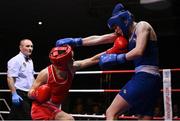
(45, 111)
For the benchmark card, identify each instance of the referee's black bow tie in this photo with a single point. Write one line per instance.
(27, 58)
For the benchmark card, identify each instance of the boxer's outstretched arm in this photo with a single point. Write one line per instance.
(99, 39)
(80, 64)
(88, 41)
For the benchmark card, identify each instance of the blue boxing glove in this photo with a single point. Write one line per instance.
(108, 60)
(16, 99)
(69, 41)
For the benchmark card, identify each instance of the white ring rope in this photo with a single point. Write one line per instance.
(88, 116)
(89, 72)
(132, 117)
(104, 72)
(94, 90)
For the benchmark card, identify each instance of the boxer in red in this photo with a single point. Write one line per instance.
(52, 84)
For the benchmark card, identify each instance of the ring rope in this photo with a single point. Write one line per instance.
(94, 90)
(88, 116)
(120, 117)
(103, 116)
(104, 72)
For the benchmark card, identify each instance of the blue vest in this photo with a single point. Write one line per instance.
(150, 56)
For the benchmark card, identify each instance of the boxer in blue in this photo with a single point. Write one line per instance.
(142, 90)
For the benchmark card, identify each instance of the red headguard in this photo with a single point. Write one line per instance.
(60, 56)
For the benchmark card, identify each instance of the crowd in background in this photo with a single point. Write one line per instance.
(96, 105)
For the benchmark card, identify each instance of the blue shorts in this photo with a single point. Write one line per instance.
(142, 92)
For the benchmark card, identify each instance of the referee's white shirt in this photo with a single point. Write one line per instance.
(22, 70)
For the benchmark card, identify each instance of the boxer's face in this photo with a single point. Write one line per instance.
(118, 30)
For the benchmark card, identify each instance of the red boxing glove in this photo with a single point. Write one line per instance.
(120, 46)
(42, 93)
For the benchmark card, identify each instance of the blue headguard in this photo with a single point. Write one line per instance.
(117, 8)
(123, 19)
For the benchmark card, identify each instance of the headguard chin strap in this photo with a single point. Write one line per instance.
(123, 19)
(59, 56)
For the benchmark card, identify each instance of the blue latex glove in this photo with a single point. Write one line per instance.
(69, 41)
(16, 99)
(108, 60)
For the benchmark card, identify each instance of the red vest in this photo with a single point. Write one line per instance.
(59, 87)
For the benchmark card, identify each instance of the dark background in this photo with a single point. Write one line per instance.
(81, 18)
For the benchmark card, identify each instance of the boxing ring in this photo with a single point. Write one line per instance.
(167, 91)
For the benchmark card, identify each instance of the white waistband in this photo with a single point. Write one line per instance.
(148, 69)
